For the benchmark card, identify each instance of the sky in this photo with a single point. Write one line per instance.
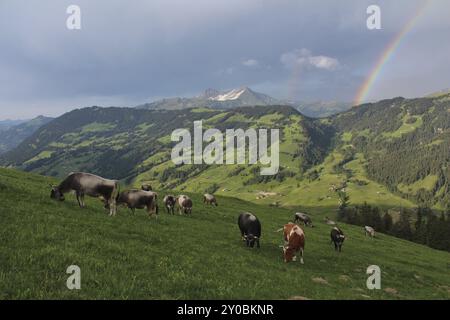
(131, 52)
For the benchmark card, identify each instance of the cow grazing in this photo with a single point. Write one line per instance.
(184, 204)
(294, 242)
(329, 222)
(369, 231)
(303, 218)
(146, 187)
(139, 199)
(169, 203)
(250, 229)
(88, 184)
(209, 199)
(337, 237)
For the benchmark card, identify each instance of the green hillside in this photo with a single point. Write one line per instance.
(11, 136)
(197, 257)
(393, 153)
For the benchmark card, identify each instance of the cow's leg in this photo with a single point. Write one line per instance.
(112, 206)
(78, 194)
(82, 200)
(257, 243)
(301, 256)
(335, 246)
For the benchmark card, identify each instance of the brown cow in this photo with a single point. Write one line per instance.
(294, 241)
(209, 199)
(88, 184)
(184, 204)
(139, 199)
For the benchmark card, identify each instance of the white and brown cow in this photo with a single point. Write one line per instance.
(88, 184)
(369, 231)
(294, 242)
(184, 204)
(209, 199)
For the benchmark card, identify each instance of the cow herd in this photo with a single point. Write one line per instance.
(109, 192)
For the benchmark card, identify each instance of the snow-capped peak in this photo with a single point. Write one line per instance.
(229, 95)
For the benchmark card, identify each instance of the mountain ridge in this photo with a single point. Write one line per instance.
(393, 152)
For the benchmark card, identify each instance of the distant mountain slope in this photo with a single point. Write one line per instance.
(214, 99)
(321, 109)
(405, 144)
(393, 153)
(119, 142)
(244, 96)
(17, 131)
(6, 124)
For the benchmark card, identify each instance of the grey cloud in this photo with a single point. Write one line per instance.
(128, 53)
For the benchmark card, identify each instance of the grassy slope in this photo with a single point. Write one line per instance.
(292, 192)
(197, 257)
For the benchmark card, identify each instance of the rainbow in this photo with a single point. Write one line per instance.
(386, 54)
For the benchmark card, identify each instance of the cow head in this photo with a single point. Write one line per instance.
(250, 239)
(288, 254)
(340, 238)
(56, 193)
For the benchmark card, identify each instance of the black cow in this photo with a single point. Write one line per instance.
(250, 229)
(303, 218)
(169, 203)
(88, 184)
(139, 199)
(337, 237)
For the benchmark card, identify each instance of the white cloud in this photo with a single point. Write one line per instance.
(251, 63)
(304, 58)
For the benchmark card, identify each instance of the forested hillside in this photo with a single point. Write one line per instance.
(405, 143)
(393, 153)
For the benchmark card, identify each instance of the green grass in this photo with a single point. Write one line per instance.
(196, 257)
(43, 155)
(405, 127)
(98, 127)
(427, 183)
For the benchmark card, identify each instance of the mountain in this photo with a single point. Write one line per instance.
(212, 98)
(403, 143)
(6, 124)
(392, 153)
(17, 131)
(123, 143)
(321, 109)
(244, 96)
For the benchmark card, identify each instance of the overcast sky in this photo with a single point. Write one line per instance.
(131, 52)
